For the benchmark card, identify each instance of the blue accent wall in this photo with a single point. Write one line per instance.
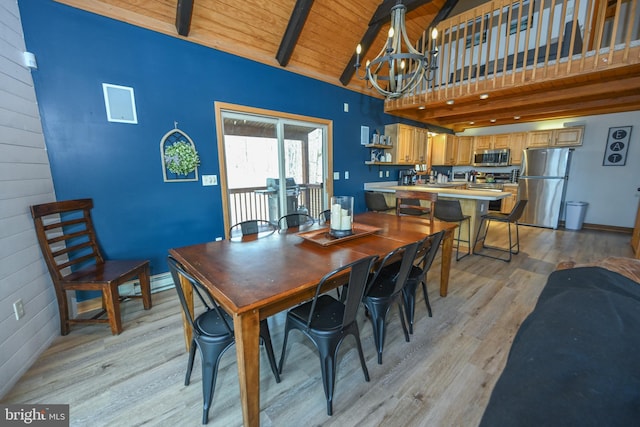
(137, 214)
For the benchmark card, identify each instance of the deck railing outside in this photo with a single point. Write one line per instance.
(506, 43)
(253, 202)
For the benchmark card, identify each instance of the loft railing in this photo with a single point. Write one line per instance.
(254, 203)
(507, 43)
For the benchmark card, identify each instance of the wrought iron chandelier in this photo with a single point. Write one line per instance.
(394, 72)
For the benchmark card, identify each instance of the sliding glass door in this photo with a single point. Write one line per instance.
(271, 166)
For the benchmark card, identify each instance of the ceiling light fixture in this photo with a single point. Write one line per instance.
(492, 120)
(422, 107)
(394, 72)
(516, 117)
(484, 96)
(472, 123)
(450, 102)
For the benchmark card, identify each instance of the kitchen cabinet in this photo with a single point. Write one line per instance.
(451, 150)
(568, 137)
(410, 144)
(502, 141)
(517, 141)
(514, 142)
(443, 150)
(565, 137)
(421, 146)
(483, 142)
(510, 201)
(464, 150)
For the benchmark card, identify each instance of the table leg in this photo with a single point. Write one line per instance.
(247, 333)
(187, 290)
(445, 266)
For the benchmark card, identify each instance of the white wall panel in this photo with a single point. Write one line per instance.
(25, 179)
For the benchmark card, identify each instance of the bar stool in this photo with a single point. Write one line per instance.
(451, 211)
(510, 218)
(376, 202)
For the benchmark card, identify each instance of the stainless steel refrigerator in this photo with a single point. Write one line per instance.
(542, 182)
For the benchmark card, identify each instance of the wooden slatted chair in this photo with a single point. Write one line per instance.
(407, 202)
(70, 247)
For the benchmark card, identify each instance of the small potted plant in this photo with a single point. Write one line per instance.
(181, 158)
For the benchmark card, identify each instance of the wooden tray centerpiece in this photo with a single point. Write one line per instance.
(323, 238)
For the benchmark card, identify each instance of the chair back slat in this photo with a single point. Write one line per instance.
(408, 254)
(357, 284)
(294, 220)
(358, 274)
(66, 236)
(71, 249)
(428, 250)
(253, 227)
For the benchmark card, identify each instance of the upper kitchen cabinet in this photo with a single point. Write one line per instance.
(421, 145)
(565, 137)
(451, 150)
(483, 142)
(410, 144)
(464, 150)
(515, 142)
(443, 150)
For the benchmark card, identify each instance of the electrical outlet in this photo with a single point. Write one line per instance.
(336, 176)
(345, 107)
(208, 180)
(346, 174)
(380, 174)
(18, 309)
(387, 174)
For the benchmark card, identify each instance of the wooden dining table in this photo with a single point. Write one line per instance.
(255, 279)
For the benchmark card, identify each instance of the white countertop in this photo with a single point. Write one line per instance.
(386, 187)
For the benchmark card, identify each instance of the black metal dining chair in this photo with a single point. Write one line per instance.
(295, 221)
(212, 335)
(384, 290)
(324, 217)
(253, 228)
(425, 254)
(326, 321)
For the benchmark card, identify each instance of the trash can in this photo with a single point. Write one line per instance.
(575, 215)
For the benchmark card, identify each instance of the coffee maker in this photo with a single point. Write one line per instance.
(406, 177)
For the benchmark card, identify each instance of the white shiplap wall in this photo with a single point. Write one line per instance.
(25, 179)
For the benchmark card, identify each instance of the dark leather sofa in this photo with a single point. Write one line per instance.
(575, 360)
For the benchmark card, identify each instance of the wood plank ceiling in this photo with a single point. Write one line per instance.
(320, 42)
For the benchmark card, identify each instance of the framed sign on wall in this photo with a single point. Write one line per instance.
(615, 153)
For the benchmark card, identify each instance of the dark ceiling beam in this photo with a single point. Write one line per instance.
(294, 28)
(380, 17)
(184, 11)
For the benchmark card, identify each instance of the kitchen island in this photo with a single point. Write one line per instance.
(474, 203)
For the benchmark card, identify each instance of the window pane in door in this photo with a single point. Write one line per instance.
(303, 161)
(251, 155)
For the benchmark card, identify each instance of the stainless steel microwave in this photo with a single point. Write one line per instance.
(491, 157)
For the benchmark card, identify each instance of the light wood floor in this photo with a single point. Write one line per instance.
(443, 377)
